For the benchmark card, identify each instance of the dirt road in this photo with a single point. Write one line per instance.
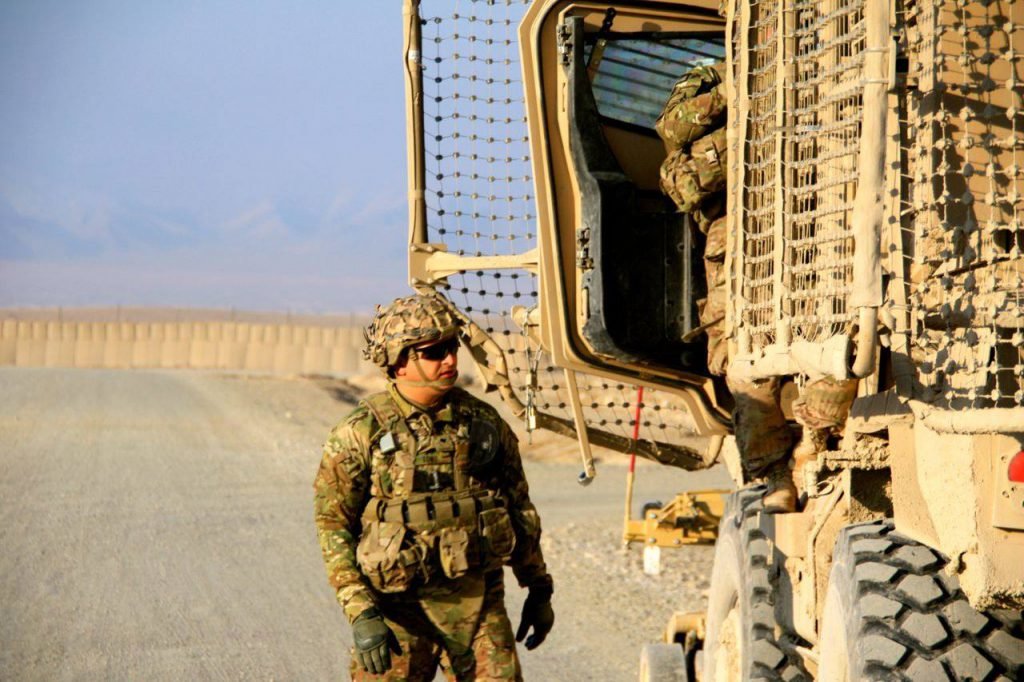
(158, 525)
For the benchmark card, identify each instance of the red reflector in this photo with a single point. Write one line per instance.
(1015, 472)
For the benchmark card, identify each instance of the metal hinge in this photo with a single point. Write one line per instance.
(565, 43)
(583, 259)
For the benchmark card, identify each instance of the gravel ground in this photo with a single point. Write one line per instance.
(158, 525)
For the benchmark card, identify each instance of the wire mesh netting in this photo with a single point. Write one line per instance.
(800, 162)
(759, 192)
(479, 193)
(825, 107)
(964, 149)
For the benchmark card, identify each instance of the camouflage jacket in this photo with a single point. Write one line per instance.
(351, 476)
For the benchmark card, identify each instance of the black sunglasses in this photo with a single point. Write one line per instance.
(438, 351)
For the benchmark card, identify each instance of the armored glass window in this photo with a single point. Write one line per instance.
(632, 77)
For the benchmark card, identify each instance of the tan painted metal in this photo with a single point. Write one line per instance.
(430, 264)
(869, 205)
(558, 197)
(681, 623)
(586, 454)
(950, 492)
(413, 53)
(991, 420)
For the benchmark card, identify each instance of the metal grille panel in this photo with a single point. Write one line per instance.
(824, 109)
(799, 167)
(760, 175)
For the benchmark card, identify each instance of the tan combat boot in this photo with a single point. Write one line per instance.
(781, 495)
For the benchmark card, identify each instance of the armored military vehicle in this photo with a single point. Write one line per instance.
(871, 161)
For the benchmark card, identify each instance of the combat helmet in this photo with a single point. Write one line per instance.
(407, 322)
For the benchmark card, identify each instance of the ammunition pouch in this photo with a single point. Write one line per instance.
(498, 539)
(456, 532)
(454, 551)
(426, 512)
(389, 562)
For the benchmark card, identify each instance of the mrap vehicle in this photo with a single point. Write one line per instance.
(873, 197)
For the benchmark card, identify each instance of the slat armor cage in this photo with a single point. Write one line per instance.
(796, 110)
(963, 193)
(950, 238)
(478, 191)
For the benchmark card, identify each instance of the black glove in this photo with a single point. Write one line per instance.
(537, 613)
(373, 640)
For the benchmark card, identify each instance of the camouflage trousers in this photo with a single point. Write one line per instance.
(763, 437)
(490, 657)
(712, 308)
(825, 403)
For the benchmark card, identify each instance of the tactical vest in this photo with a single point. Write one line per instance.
(421, 518)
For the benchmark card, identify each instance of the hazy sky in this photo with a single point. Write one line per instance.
(246, 153)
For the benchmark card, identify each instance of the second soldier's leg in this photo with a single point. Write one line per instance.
(764, 440)
(821, 410)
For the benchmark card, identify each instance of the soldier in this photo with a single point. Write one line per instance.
(420, 500)
(693, 175)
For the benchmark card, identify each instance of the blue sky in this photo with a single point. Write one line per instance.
(220, 153)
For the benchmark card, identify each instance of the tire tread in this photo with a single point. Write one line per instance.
(924, 616)
(770, 660)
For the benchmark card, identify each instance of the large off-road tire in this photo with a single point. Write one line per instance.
(742, 630)
(891, 614)
(663, 663)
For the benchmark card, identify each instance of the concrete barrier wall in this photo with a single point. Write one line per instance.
(265, 347)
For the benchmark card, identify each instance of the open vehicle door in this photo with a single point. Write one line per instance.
(622, 267)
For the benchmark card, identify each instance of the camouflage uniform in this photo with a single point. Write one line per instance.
(763, 437)
(696, 105)
(693, 176)
(417, 510)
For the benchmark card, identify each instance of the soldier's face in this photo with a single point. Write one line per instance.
(433, 363)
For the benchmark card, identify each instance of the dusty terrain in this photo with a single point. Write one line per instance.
(158, 525)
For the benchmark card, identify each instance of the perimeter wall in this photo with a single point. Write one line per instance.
(170, 338)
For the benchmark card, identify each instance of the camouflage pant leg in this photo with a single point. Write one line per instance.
(421, 649)
(712, 312)
(494, 645)
(825, 403)
(690, 176)
(493, 656)
(762, 436)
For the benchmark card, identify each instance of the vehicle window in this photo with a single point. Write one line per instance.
(633, 77)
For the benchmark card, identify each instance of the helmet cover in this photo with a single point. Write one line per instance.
(407, 322)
